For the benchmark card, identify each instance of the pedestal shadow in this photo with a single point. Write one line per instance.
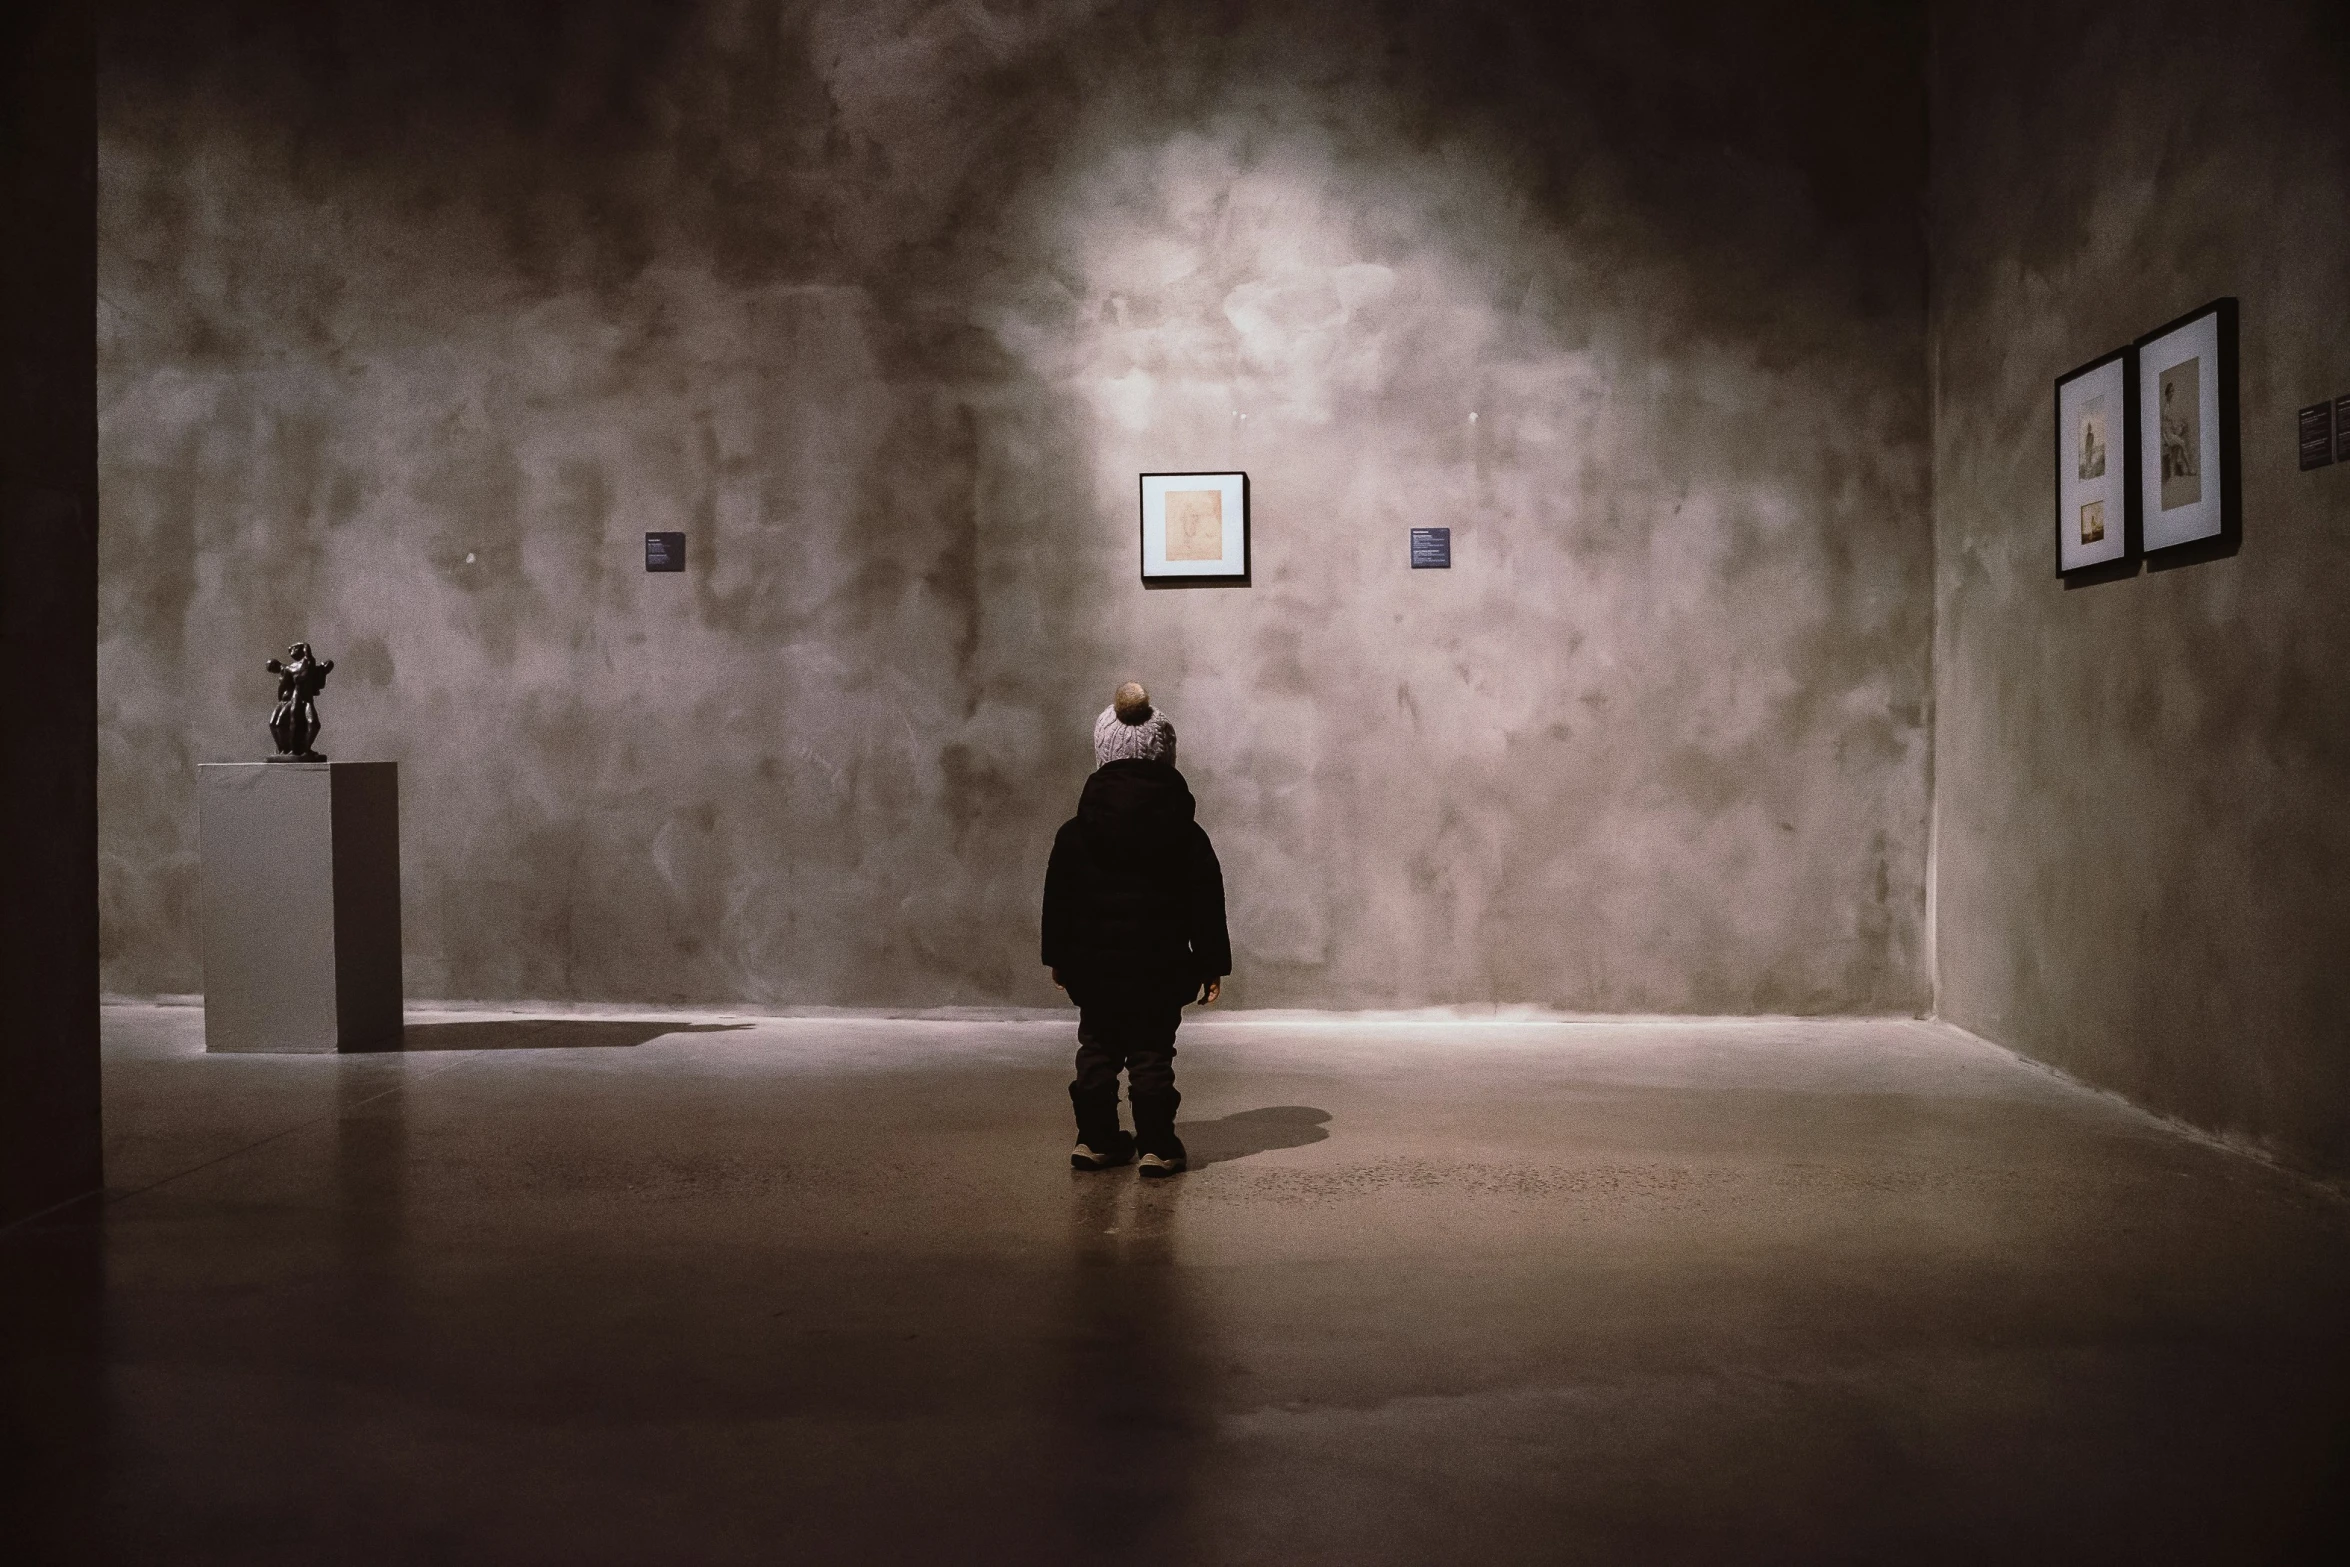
(551, 1033)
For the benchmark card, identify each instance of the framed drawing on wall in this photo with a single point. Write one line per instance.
(2096, 498)
(1194, 529)
(2187, 456)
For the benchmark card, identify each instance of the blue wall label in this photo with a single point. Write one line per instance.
(1432, 549)
(664, 552)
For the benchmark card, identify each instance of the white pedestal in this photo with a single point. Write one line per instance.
(301, 905)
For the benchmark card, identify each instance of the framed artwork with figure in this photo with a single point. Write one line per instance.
(1194, 529)
(2096, 500)
(2187, 450)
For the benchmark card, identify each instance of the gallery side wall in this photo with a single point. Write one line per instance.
(417, 318)
(2143, 847)
(48, 613)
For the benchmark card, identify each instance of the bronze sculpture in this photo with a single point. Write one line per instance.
(294, 723)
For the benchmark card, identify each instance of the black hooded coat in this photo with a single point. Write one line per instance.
(1133, 897)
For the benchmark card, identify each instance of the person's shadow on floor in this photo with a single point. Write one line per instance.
(1246, 1132)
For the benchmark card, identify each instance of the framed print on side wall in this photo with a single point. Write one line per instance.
(2187, 453)
(1194, 528)
(2096, 500)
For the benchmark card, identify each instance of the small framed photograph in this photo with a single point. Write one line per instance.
(2187, 455)
(2096, 502)
(1194, 529)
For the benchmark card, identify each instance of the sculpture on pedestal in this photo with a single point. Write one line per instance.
(294, 723)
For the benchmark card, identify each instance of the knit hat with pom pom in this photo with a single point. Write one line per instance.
(1131, 730)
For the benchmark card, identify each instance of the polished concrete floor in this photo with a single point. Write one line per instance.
(594, 1290)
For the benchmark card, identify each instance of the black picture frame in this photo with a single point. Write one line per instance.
(2100, 395)
(2199, 514)
(1163, 564)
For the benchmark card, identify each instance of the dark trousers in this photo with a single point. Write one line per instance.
(1128, 1026)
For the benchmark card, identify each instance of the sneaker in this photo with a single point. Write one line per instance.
(1154, 1131)
(1117, 1149)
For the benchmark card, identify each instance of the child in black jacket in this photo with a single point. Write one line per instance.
(1134, 931)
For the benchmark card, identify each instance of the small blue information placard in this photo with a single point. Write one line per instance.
(1432, 549)
(664, 552)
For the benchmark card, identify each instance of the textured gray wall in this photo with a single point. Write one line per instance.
(414, 322)
(2143, 787)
